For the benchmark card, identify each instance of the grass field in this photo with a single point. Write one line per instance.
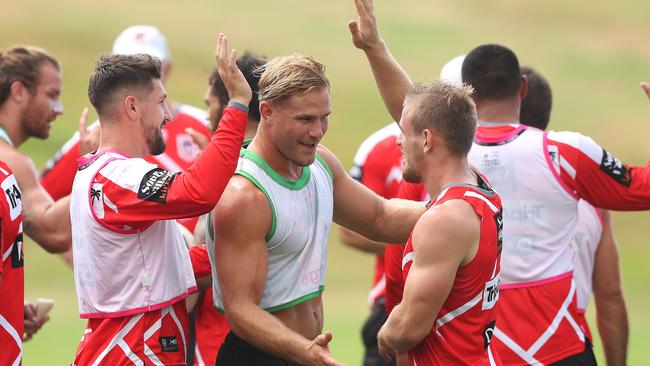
(593, 53)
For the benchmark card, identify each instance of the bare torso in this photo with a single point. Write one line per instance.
(305, 318)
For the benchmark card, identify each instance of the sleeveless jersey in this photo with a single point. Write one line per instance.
(540, 217)
(297, 241)
(154, 265)
(11, 270)
(378, 166)
(463, 329)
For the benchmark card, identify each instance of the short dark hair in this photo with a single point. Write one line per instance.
(447, 109)
(493, 71)
(116, 72)
(536, 106)
(22, 63)
(249, 64)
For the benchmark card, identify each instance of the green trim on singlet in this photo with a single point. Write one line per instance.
(208, 226)
(294, 185)
(248, 176)
(327, 167)
(5, 136)
(290, 304)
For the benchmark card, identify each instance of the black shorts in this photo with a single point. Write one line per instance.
(369, 332)
(237, 352)
(585, 358)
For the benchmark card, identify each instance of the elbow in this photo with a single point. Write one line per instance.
(405, 339)
(55, 243)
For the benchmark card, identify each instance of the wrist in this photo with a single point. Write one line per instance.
(376, 49)
(239, 103)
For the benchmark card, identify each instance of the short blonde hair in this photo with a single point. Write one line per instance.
(22, 63)
(290, 75)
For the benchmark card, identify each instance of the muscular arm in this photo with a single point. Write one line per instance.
(432, 273)
(45, 221)
(359, 209)
(611, 313)
(357, 241)
(241, 221)
(392, 81)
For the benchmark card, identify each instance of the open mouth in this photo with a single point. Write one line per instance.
(311, 146)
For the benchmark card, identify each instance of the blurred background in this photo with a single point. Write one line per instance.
(594, 54)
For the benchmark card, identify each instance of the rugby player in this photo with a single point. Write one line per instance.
(536, 174)
(30, 89)
(271, 226)
(122, 206)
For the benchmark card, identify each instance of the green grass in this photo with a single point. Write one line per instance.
(593, 53)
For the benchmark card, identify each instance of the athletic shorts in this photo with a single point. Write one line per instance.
(156, 337)
(585, 358)
(369, 332)
(237, 352)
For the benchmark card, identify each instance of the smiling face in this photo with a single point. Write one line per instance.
(298, 123)
(43, 104)
(155, 114)
(411, 143)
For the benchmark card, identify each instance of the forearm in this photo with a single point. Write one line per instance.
(613, 328)
(392, 81)
(266, 332)
(357, 241)
(402, 331)
(49, 225)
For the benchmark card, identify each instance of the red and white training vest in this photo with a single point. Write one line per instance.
(123, 271)
(537, 311)
(464, 327)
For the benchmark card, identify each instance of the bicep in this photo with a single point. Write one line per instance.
(606, 276)
(240, 224)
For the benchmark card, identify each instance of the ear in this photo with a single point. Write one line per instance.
(18, 92)
(131, 107)
(266, 111)
(523, 86)
(428, 141)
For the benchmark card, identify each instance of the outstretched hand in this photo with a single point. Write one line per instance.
(319, 351)
(88, 138)
(646, 88)
(236, 85)
(365, 35)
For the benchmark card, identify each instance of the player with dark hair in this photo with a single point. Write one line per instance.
(122, 209)
(536, 106)
(211, 326)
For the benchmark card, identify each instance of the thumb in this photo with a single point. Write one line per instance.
(646, 88)
(83, 122)
(323, 339)
(354, 31)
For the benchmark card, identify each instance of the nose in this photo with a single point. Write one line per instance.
(399, 139)
(168, 113)
(56, 106)
(318, 129)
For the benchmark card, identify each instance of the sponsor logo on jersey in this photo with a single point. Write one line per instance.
(491, 293)
(17, 258)
(168, 344)
(488, 333)
(155, 185)
(616, 169)
(13, 196)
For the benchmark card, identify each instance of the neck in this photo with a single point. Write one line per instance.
(262, 146)
(446, 171)
(251, 129)
(501, 111)
(10, 122)
(112, 137)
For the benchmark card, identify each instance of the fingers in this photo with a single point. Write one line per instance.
(197, 137)
(323, 339)
(83, 123)
(30, 311)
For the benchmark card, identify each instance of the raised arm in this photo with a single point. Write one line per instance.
(611, 313)
(360, 209)
(392, 81)
(241, 221)
(432, 273)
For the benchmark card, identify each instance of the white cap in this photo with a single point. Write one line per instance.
(452, 71)
(145, 39)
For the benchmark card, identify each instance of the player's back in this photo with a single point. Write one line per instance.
(464, 327)
(11, 269)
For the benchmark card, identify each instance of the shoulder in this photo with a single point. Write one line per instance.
(22, 166)
(453, 221)
(577, 142)
(242, 198)
(129, 173)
